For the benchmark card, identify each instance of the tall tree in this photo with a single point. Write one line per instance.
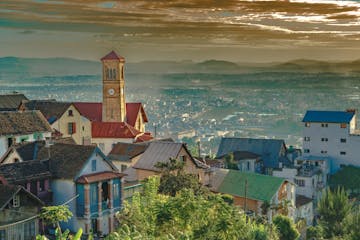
(333, 208)
(174, 178)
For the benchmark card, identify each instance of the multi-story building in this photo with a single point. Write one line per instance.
(331, 136)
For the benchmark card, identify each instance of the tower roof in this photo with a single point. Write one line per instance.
(113, 56)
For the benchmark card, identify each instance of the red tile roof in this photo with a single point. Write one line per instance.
(113, 130)
(90, 110)
(101, 176)
(132, 111)
(93, 111)
(113, 56)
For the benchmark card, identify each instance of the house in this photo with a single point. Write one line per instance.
(11, 102)
(308, 173)
(90, 184)
(333, 135)
(34, 176)
(162, 151)
(68, 173)
(17, 127)
(251, 190)
(245, 161)
(64, 117)
(271, 151)
(19, 211)
(125, 155)
(304, 209)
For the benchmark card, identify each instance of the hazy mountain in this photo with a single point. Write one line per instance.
(34, 67)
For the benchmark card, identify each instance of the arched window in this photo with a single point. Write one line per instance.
(114, 74)
(107, 74)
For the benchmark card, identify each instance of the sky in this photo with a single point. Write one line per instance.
(143, 30)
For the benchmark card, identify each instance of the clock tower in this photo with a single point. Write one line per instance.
(113, 105)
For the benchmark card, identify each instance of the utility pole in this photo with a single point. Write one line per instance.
(245, 194)
(155, 126)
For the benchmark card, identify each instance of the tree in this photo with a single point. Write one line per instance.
(173, 179)
(184, 216)
(230, 162)
(352, 225)
(55, 214)
(333, 208)
(286, 227)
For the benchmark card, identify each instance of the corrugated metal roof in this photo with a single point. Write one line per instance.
(328, 116)
(158, 152)
(259, 187)
(268, 149)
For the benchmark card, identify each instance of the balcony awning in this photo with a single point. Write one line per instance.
(99, 176)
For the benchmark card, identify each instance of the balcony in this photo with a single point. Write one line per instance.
(308, 171)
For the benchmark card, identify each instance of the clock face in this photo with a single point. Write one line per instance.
(111, 91)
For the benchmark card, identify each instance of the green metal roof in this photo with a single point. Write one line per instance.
(259, 187)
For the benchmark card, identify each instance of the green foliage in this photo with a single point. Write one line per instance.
(227, 198)
(174, 179)
(352, 225)
(348, 178)
(63, 236)
(286, 228)
(55, 214)
(314, 233)
(230, 162)
(333, 207)
(184, 216)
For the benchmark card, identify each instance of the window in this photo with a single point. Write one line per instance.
(323, 151)
(42, 185)
(307, 139)
(122, 72)
(342, 153)
(300, 182)
(306, 150)
(93, 165)
(324, 139)
(114, 74)
(16, 160)
(324, 125)
(11, 141)
(307, 124)
(248, 166)
(16, 201)
(183, 158)
(70, 113)
(2, 235)
(343, 140)
(343, 125)
(123, 167)
(71, 128)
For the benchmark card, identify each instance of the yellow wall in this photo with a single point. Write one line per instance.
(83, 126)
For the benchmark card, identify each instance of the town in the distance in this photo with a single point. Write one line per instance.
(94, 156)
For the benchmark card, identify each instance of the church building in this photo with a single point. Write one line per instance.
(114, 120)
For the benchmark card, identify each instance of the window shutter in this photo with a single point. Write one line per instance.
(73, 128)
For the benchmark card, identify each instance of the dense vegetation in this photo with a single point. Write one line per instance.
(151, 215)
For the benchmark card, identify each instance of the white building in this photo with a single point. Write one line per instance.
(332, 135)
(309, 175)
